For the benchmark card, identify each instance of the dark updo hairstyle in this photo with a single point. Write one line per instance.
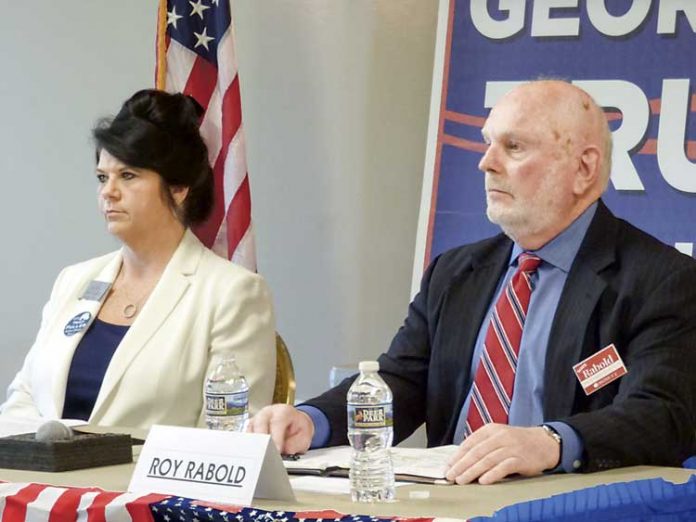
(158, 131)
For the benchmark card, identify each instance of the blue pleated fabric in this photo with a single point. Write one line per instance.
(642, 500)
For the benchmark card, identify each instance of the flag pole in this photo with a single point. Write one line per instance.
(161, 65)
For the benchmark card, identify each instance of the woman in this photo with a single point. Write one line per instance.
(127, 339)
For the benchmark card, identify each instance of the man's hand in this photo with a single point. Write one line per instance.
(495, 451)
(291, 429)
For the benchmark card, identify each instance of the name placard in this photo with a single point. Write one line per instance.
(218, 466)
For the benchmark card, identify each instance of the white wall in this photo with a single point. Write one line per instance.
(335, 97)
(62, 64)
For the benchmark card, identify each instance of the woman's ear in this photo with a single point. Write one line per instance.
(179, 193)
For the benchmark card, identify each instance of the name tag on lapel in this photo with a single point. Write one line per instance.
(96, 290)
(600, 369)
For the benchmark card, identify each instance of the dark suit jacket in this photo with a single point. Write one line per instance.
(624, 287)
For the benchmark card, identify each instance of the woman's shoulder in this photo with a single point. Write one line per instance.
(216, 275)
(84, 270)
(89, 265)
(226, 270)
(208, 263)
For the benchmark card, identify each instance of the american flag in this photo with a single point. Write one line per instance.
(196, 55)
(30, 502)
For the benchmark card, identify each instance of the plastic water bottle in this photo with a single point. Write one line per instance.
(226, 397)
(370, 432)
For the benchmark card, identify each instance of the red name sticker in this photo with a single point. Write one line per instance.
(600, 369)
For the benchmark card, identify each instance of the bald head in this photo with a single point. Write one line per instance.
(573, 117)
(548, 159)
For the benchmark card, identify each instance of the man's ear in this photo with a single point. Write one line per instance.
(588, 173)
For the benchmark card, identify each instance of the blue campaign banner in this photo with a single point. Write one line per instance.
(637, 58)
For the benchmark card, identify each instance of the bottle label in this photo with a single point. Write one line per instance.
(372, 416)
(227, 404)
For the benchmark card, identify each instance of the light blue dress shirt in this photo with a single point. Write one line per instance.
(526, 408)
(527, 401)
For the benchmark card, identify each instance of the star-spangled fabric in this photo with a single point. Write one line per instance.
(649, 499)
(187, 510)
(196, 55)
(30, 502)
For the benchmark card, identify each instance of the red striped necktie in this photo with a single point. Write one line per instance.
(491, 393)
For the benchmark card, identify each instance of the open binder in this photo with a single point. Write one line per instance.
(421, 465)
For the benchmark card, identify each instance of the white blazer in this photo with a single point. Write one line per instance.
(203, 308)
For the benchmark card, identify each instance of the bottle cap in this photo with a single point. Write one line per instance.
(368, 366)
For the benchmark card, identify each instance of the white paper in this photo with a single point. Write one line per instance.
(420, 462)
(423, 462)
(323, 458)
(10, 426)
(326, 485)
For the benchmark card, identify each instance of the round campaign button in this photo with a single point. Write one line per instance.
(77, 323)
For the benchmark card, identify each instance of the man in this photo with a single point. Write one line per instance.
(574, 279)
